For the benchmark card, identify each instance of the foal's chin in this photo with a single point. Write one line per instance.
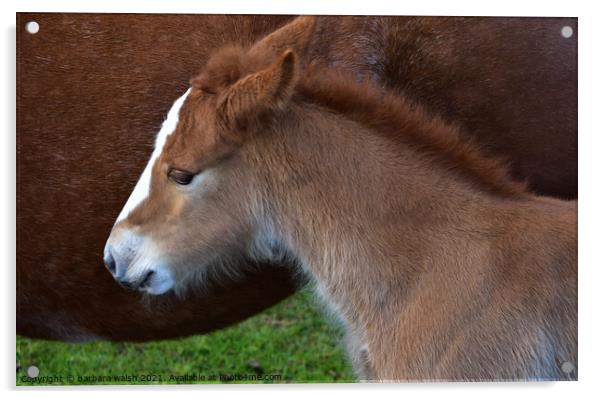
(165, 279)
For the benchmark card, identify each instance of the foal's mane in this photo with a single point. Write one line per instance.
(386, 113)
(409, 124)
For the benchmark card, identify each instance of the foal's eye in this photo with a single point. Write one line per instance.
(180, 177)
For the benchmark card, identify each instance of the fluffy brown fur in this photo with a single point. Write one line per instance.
(408, 124)
(437, 264)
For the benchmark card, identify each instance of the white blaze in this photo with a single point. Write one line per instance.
(143, 186)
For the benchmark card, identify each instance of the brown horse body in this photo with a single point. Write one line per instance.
(439, 265)
(93, 89)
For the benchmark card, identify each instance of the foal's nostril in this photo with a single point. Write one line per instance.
(110, 263)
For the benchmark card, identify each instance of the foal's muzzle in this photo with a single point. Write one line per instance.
(118, 265)
(134, 264)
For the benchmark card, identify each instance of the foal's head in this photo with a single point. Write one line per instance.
(196, 203)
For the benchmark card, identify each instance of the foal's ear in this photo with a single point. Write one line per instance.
(258, 93)
(295, 35)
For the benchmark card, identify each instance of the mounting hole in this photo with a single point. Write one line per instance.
(566, 31)
(32, 27)
(567, 367)
(33, 371)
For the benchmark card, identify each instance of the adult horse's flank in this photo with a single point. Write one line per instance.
(437, 263)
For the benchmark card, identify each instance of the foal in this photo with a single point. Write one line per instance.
(438, 265)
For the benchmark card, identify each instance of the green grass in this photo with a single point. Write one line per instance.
(291, 342)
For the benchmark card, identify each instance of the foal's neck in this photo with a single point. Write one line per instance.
(366, 217)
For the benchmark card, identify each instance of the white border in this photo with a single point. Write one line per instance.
(590, 143)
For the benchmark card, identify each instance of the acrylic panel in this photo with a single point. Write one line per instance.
(271, 199)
